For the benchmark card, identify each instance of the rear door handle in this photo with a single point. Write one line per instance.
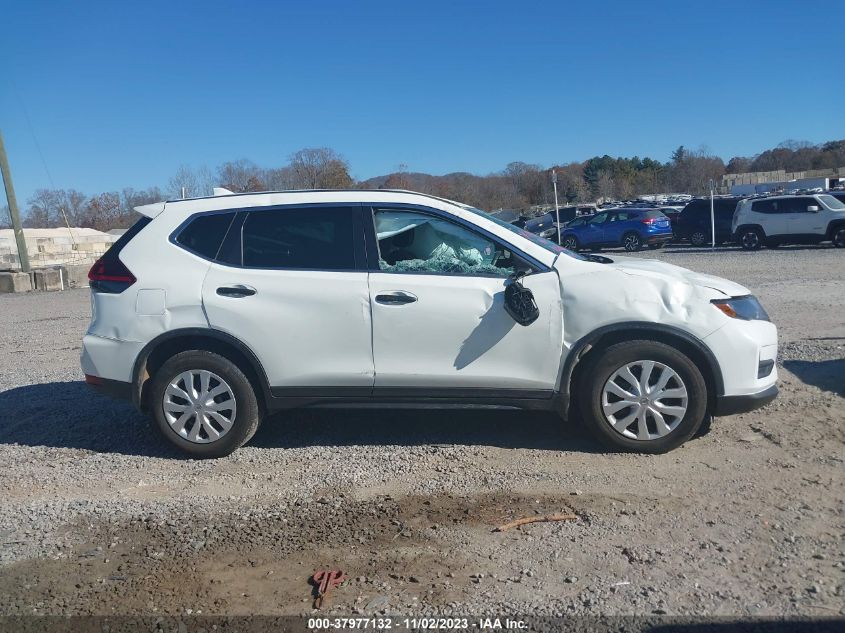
(236, 292)
(395, 298)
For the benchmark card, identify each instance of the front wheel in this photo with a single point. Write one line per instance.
(642, 396)
(839, 237)
(204, 404)
(632, 242)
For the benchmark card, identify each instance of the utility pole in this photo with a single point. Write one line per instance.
(23, 256)
(712, 217)
(557, 209)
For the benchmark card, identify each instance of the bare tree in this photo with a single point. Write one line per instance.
(241, 176)
(605, 186)
(184, 180)
(319, 168)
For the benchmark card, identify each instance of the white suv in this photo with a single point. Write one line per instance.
(776, 220)
(213, 313)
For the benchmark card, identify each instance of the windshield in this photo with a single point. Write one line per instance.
(533, 237)
(832, 203)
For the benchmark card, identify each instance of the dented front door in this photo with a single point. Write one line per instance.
(452, 332)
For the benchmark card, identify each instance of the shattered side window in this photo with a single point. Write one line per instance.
(411, 242)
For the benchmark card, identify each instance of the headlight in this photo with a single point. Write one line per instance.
(549, 232)
(746, 308)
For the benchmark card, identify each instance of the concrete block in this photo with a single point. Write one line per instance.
(48, 279)
(15, 282)
(77, 275)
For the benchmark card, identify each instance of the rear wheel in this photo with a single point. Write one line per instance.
(642, 396)
(204, 404)
(570, 242)
(839, 237)
(632, 242)
(750, 239)
(699, 238)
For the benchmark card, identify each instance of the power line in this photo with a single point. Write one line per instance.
(41, 155)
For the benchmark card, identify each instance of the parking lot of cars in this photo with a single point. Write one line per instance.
(769, 220)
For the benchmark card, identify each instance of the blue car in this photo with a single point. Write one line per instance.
(630, 228)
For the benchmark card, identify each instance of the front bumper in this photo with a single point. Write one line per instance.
(730, 405)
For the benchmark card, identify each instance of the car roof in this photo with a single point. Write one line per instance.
(229, 200)
(787, 195)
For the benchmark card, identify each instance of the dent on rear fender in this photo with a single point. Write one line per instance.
(593, 300)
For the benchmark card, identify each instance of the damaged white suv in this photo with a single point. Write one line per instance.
(213, 313)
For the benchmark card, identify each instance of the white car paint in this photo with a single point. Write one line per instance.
(809, 224)
(458, 334)
(325, 329)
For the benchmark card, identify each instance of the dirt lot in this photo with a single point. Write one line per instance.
(98, 516)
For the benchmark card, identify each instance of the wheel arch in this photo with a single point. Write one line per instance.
(833, 226)
(605, 336)
(165, 346)
(750, 225)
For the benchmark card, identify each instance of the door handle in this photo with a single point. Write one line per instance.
(236, 292)
(395, 298)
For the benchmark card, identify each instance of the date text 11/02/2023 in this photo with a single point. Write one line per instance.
(421, 623)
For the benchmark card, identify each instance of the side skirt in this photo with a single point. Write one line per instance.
(399, 397)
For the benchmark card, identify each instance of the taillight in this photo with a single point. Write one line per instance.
(109, 274)
(649, 220)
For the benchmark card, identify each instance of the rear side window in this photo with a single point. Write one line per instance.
(204, 234)
(318, 238)
(765, 206)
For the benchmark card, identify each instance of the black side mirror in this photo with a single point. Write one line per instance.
(519, 301)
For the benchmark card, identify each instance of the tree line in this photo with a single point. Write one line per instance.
(518, 186)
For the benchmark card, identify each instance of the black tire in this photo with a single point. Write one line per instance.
(602, 364)
(247, 412)
(751, 239)
(570, 242)
(699, 238)
(632, 242)
(838, 237)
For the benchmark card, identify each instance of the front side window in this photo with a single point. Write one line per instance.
(415, 242)
(802, 205)
(313, 238)
(598, 218)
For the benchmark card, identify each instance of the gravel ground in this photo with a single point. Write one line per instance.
(99, 516)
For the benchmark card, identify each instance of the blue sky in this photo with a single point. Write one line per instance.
(121, 93)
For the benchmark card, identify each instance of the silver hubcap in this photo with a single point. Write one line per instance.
(632, 242)
(644, 400)
(569, 243)
(750, 239)
(697, 239)
(200, 406)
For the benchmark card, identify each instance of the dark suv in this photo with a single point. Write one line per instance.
(693, 223)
